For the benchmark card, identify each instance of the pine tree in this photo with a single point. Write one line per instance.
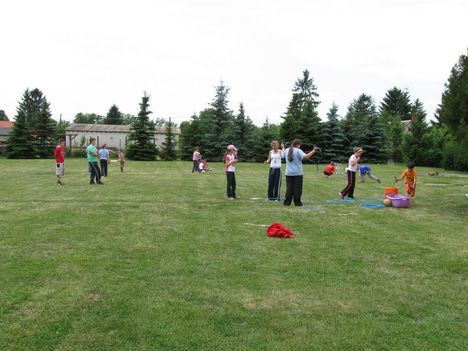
(114, 116)
(333, 145)
(453, 110)
(43, 129)
(301, 115)
(35, 126)
(357, 119)
(397, 102)
(141, 140)
(416, 143)
(374, 140)
(168, 150)
(244, 134)
(19, 143)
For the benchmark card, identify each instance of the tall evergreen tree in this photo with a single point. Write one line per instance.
(35, 126)
(43, 129)
(168, 149)
(374, 140)
(114, 116)
(19, 143)
(301, 116)
(244, 130)
(332, 149)
(453, 110)
(397, 102)
(141, 140)
(222, 116)
(360, 111)
(416, 143)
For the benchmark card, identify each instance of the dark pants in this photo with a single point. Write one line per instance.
(95, 173)
(231, 184)
(349, 188)
(104, 168)
(293, 190)
(195, 166)
(274, 183)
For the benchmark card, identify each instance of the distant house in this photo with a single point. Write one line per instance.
(406, 126)
(5, 128)
(114, 136)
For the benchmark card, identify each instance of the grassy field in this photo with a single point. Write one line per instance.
(159, 259)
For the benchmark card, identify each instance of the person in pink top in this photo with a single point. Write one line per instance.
(230, 160)
(196, 157)
(59, 155)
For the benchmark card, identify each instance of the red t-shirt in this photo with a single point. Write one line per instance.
(330, 169)
(59, 154)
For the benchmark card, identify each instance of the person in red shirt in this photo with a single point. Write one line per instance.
(59, 155)
(330, 169)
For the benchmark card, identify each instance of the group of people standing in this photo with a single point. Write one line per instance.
(295, 172)
(98, 161)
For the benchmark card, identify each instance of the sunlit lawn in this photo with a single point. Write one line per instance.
(159, 259)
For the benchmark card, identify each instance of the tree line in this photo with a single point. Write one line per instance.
(378, 129)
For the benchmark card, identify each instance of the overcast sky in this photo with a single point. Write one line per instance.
(87, 55)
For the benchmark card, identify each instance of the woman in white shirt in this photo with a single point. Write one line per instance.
(353, 166)
(274, 178)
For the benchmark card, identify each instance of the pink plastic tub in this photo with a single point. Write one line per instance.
(398, 201)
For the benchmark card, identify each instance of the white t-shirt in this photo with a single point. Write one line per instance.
(231, 167)
(352, 160)
(275, 159)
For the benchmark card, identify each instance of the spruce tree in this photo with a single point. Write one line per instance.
(416, 143)
(332, 149)
(243, 137)
(453, 110)
(19, 143)
(357, 119)
(35, 126)
(168, 149)
(374, 140)
(114, 116)
(141, 145)
(301, 116)
(43, 131)
(397, 102)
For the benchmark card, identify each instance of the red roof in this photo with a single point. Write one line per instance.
(6, 124)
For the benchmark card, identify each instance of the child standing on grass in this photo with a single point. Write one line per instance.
(353, 166)
(121, 160)
(230, 161)
(104, 159)
(59, 155)
(274, 178)
(410, 184)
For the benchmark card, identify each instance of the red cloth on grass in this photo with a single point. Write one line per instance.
(279, 231)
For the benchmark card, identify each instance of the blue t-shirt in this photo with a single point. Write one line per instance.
(294, 167)
(364, 170)
(104, 154)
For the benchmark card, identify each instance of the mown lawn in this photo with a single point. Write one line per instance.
(159, 259)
